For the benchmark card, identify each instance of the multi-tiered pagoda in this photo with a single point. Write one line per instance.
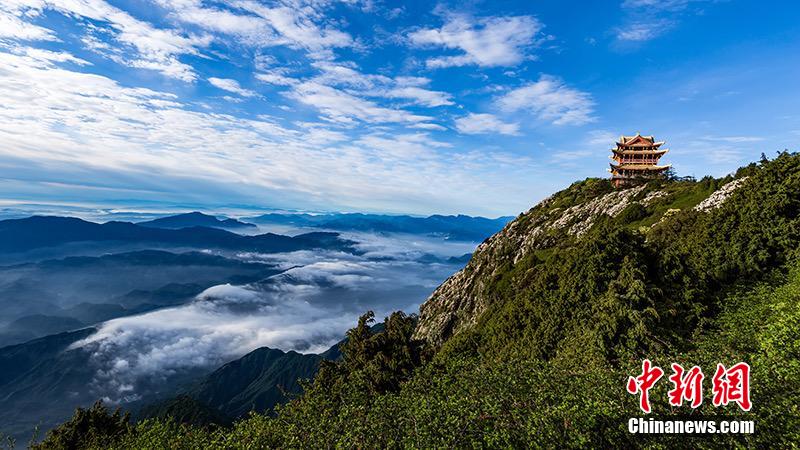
(636, 160)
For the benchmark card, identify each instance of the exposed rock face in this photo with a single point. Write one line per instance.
(719, 196)
(580, 218)
(462, 298)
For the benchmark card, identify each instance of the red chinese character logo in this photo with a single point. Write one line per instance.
(644, 382)
(688, 386)
(732, 385)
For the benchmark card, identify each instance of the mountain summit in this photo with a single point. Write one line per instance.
(558, 220)
(195, 219)
(502, 265)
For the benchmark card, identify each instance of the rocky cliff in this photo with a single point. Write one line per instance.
(459, 302)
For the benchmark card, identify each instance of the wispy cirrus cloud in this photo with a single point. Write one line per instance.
(12, 26)
(344, 94)
(550, 100)
(90, 123)
(601, 138)
(227, 84)
(486, 42)
(485, 124)
(151, 48)
(418, 95)
(650, 19)
(643, 31)
(276, 77)
(328, 103)
(343, 107)
(660, 5)
(733, 139)
(297, 24)
(408, 88)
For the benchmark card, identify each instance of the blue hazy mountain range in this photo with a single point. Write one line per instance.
(195, 219)
(52, 296)
(62, 273)
(458, 227)
(86, 308)
(20, 235)
(257, 381)
(49, 368)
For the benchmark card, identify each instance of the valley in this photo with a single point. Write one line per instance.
(139, 319)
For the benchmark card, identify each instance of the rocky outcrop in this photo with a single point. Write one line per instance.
(719, 196)
(461, 299)
(580, 218)
(459, 302)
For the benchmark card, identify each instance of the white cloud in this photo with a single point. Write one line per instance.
(169, 66)
(568, 158)
(420, 96)
(344, 74)
(296, 24)
(733, 139)
(307, 308)
(343, 107)
(276, 77)
(485, 123)
(643, 31)
(224, 323)
(371, 85)
(403, 147)
(13, 27)
(47, 57)
(315, 134)
(486, 42)
(155, 49)
(406, 81)
(219, 20)
(428, 126)
(550, 100)
(602, 138)
(73, 124)
(658, 5)
(230, 85)
(649, 19)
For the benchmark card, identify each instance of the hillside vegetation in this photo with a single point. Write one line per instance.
(531, 344)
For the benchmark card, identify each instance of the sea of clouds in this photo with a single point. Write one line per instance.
(307, 308)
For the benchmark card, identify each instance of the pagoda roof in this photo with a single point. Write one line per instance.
(638, 140)
(639, 167)
(629, 151)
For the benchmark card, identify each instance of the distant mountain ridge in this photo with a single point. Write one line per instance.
(33, 305)
(257, 382)
(195, 219)
(43, 380)
(37, 376)
(18, 235)
(458, 227)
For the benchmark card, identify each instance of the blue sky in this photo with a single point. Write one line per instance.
(368, 105)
